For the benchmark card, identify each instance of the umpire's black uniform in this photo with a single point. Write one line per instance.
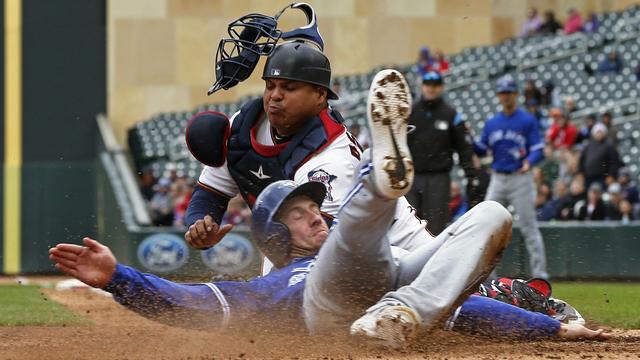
(439, 130)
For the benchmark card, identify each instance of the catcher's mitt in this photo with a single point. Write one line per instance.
(532, 295)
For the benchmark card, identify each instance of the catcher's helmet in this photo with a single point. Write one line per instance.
(271, 236)
(301, 62)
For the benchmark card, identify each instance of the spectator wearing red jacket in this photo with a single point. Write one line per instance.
(562, 134)
(574, 22)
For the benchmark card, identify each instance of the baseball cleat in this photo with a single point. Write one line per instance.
(565, 313)
(388, 109)
(391, 325)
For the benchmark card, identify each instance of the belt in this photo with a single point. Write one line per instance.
(504, 172)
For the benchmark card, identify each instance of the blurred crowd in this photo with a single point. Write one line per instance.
(168, 197)
(548, 25)
(582, 176)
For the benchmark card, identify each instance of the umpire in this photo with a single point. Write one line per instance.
(514, 140)
(439, 131)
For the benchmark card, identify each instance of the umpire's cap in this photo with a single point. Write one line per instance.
(301, 62)
(506, 84)
(432, 77)
(270, 235)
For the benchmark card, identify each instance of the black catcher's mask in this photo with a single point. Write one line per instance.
(255, 35)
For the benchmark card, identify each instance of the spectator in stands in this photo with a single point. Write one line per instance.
(170, 172)
(626, 211)
(612, 64)
(570, 105)
(161, 204)
(533, 109)
(457, 203)
(532, 24)
(532, 92)
(599, 161)
(181, 191)
(592, 24)
(638, 72)
(594, 208)
(574, 22)
(576, 196)
(550, 94)
(612, 205)
(545, 209)
(584, 134)
(425, 62)
(238, 212)
(440, 63)
(562, 133)
(345, 99)
(551, 210)
(549, 166)
(612, 130)
(628, 188)
(550, 26)
(147, 182)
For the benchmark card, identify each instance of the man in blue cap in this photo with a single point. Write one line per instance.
(513, 138)
(439, 130)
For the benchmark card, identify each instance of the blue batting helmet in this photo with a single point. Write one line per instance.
(270, 235)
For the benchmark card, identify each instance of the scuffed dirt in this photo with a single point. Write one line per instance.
(113, 332)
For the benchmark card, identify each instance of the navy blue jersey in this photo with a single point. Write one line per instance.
(279, 295)
(511, 139)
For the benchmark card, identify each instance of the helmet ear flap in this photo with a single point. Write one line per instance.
(271, 237)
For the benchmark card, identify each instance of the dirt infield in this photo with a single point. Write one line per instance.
(115, 333)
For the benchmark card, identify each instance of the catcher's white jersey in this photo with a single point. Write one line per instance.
(334, 166)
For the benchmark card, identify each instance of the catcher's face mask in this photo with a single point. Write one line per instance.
(249, 37)
(255, 35)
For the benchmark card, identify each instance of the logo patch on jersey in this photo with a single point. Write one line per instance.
(324, 177)
(163, 252)
(297, 278)
(260, 174)
(441, 125)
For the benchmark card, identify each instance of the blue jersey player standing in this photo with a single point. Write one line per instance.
(332, 277)
(513, 138)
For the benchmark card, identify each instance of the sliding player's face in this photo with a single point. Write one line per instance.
(307, 227)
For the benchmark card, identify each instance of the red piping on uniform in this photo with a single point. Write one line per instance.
(265, 150)
(333, 130)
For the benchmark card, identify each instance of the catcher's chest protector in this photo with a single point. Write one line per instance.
(254, 166)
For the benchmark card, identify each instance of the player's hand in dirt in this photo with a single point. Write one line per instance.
(205, 233)
(580, 332)
(93, 263)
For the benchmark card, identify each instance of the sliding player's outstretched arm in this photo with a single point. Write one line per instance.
(153, 297)
(479, 315)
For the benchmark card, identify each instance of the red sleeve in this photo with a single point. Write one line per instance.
(571, 135)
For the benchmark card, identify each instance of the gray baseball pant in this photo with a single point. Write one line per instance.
(355, 268)
(519, 190)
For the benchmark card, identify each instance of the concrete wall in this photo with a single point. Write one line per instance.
(161, 51)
